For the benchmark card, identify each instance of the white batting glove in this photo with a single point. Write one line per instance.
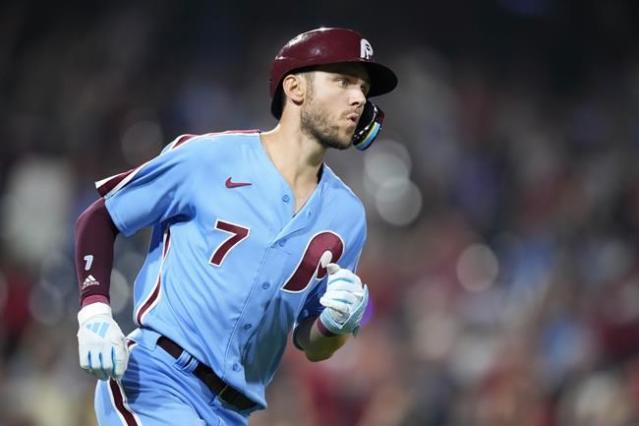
(101, 345)
(345, 301)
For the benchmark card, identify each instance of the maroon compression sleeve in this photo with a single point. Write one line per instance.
(95, 235)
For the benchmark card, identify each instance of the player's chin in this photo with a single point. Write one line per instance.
(346, 137)
(345, 141)
(339, 142)
(344, 146)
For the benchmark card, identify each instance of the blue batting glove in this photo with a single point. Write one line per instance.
(345, 301)
(101, 344)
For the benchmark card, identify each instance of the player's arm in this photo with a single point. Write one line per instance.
(344, 302)
(95, 235)
(155, 192)
(315, 342)
(101, 344)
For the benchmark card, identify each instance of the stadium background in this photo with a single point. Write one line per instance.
(503, 200)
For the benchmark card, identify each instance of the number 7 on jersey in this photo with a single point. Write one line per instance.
(238, 233)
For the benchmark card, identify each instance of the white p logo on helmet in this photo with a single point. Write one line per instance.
(365, 49)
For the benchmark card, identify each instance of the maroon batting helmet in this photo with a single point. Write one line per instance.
(324, 46)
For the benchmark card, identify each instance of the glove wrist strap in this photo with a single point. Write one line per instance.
(329, 325)
(92, 310)
(323, 330)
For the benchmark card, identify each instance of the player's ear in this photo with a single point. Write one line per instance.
(294, 86)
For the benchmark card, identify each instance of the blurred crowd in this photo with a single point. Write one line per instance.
(503, 201)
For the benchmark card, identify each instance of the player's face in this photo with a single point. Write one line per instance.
(335, 99)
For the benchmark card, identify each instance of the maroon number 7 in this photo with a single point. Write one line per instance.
(238, 233)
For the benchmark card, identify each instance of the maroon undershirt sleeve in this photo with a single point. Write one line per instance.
(95, 235)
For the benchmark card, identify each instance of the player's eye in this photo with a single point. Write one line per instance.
(343, 82)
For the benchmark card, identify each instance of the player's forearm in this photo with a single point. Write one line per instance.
(95, 234)
(317, 344)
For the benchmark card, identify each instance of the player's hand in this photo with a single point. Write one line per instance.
(101, 344)
(345, 301)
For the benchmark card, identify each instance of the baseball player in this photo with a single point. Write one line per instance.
(252, 236)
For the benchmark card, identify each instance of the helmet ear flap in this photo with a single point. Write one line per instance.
(370, 123)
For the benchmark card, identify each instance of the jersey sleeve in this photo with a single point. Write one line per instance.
(157, 191)
(350, 260)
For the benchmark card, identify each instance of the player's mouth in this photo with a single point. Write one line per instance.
(353, 118)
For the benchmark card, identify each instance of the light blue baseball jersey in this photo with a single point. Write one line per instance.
(231, 266)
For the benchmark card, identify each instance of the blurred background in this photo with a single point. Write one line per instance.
(503, 198)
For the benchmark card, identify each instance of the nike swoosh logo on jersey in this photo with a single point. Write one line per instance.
(230, 184)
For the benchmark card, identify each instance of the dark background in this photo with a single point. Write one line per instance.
(502, 198)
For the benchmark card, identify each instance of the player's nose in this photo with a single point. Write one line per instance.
(358, 97)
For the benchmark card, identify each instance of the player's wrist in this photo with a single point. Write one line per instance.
(323, 330)
(94, 298)
(329, 327)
